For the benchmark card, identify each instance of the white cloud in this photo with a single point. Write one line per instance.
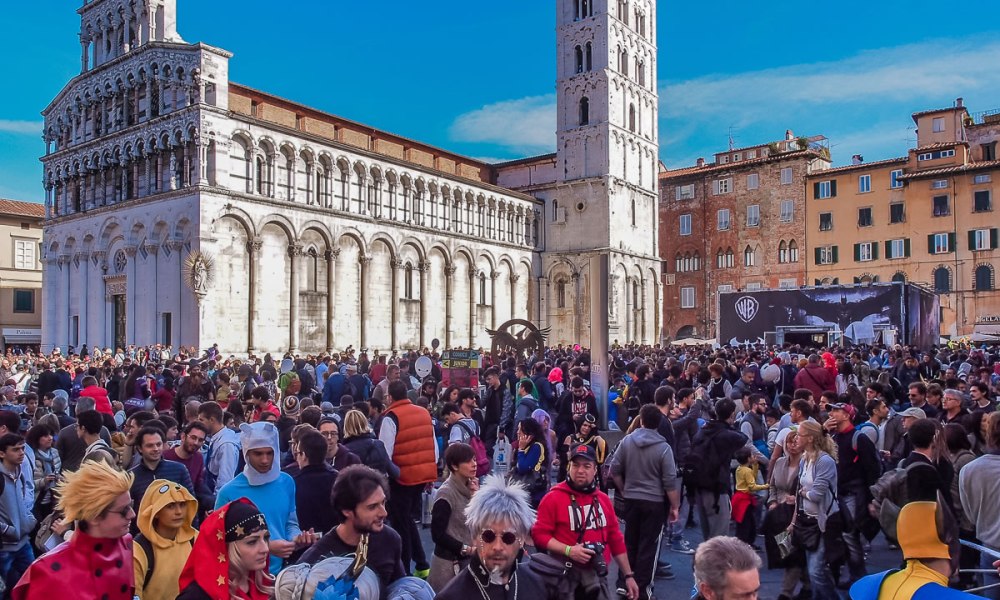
(21, 127)
(524, 126)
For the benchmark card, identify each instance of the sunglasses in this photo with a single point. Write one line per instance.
(489, 536)
(125, 513)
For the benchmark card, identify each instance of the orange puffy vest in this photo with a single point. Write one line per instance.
(413, 451)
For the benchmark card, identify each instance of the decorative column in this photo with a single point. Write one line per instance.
(472, 306)
(449, 286)
(394, 265)
(513, 299)
(130, 296)
(294, 251)
(62, 311)
(364, 261)
(331, 256)
(152, 252)
(543, 302)
(253, 258)
(642, 311)
(493, 298)
(83, 264)
(577, 309)
(99, 259)
(425, 269)
(49, 308)
(177, 246)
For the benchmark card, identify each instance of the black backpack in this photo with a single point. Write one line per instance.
(147, 547)
(703, 465)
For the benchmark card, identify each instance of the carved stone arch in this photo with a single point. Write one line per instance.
(245, 136)
(239, 215)
(320, 228)
(492, 262)
(420, 184)
(88, 242)
(417, 246)
(558, 263)
(375, 173)
(465, 251)
(282, 222)
(161, 230)
(137, 234)
(356, 236)
(444, 250)
(433, 186)
(307, 154)
(182, 229)
(109, 229)
(287, 149)
(388, 241)
(266, 145)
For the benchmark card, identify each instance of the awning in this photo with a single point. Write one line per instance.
(22, 339)
(987, 330)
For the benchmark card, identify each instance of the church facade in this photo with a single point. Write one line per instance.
(186, 209)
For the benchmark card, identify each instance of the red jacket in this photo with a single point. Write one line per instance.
(90, 567)
(100, 395)
(554, 521)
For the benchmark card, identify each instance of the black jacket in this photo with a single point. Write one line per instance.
(372, 452)
(313, 485)
(726, 441)
(464, 587)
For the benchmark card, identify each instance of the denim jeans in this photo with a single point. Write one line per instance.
(820, 576)
(13, 564)
(986, 562)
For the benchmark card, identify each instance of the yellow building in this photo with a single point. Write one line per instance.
(20, 274)
(927, 217)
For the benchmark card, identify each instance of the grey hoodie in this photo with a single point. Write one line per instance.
(16, 521)
(646, 463)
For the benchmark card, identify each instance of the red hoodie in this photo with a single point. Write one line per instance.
(100, 395)
(556, 520)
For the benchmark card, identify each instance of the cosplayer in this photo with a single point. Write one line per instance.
(500, 517)
(229, 558)
(165, 539)
(96, 562)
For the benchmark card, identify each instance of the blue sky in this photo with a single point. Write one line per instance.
(478, 77)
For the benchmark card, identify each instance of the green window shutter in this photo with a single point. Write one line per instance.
(972, 239)
(952, 241)
(993, 238)
(906, 247)
(888, 249)
(857, 252)
(833, 188)
(819, 253)
(875, 251)
(930, 244)
(836, 256)
(816, 190)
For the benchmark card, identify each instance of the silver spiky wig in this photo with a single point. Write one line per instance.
(500, 501)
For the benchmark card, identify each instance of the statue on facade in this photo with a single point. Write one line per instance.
(199, 273)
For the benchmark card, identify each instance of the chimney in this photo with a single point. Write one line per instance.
(857, 159)
(701, 162)
(789, 136)
(959, 103)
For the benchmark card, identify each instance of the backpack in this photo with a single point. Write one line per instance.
(147, 547)
(294, 386)
(483, 466)
(889, 495)
(702, 466)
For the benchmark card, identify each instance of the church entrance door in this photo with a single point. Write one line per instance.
(120, 320)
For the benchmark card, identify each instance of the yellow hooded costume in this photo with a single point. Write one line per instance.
(157, 579)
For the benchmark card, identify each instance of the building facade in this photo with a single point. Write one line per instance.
(737, 223)
(186, 209)
(20, 274)
(927, 217)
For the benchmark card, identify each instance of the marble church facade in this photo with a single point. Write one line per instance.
(321, 232)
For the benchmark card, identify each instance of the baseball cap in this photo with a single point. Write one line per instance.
(917, 413)
(583, 451)
(847, 408)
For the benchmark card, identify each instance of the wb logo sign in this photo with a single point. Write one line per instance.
(746, 308)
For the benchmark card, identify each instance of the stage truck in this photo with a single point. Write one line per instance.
(885, 313)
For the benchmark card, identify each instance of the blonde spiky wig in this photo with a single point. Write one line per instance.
(89, 491)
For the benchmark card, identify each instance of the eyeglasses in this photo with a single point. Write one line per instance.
(489, 536)
(330, 434)
(126, 513)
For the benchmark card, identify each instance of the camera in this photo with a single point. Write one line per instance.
(597, 561)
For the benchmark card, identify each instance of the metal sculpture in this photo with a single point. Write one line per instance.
(519, 336)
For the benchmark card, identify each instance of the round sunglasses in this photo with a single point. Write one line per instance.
(489, 536)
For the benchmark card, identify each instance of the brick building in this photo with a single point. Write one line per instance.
(737, 223)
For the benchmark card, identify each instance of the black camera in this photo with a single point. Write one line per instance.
(597, 561)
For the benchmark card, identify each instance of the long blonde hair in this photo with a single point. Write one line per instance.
(237, 572)
(820, 442)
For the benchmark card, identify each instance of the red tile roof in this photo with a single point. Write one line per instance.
(22, 209)
(867, 165)
(733, 166)
(935, 110)
(938, 146)
(968, 167)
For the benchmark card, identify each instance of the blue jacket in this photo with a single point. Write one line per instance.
(333, 389)
(167, 469)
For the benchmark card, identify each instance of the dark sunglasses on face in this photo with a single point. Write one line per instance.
(489, 536)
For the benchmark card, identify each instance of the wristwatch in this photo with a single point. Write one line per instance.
(629, 576)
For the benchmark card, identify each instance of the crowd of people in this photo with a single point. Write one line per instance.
(157, 473)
